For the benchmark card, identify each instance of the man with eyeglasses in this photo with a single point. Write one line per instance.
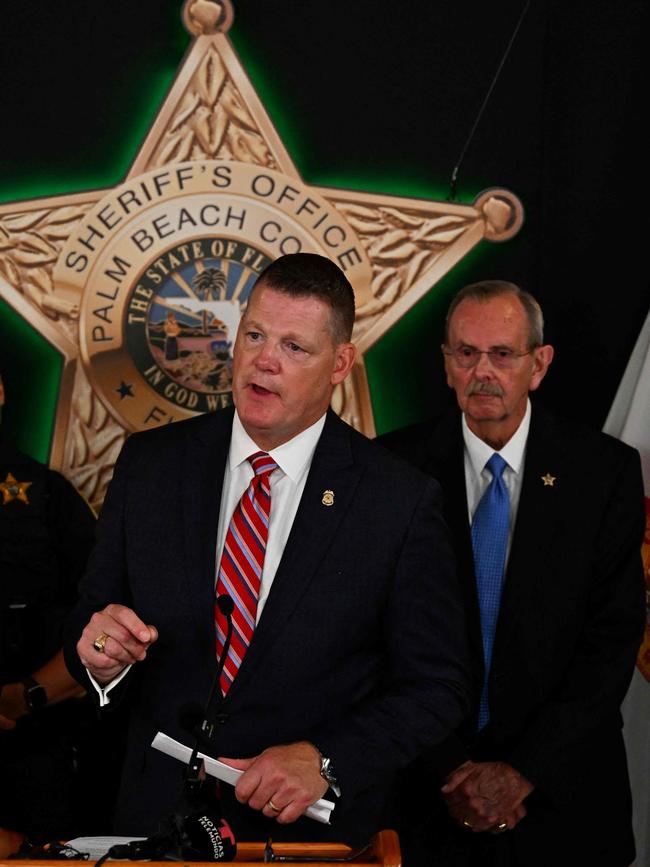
(547, 520)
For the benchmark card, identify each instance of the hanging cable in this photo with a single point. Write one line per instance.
(454, 175)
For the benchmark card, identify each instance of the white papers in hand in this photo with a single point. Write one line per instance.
(320, 811)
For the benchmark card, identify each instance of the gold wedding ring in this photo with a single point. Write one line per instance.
(100, 643)
(467, 824)
(272, 806)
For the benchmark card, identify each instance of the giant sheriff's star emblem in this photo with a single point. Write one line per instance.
(141, 287)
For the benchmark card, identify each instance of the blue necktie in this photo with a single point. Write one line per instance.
(490, 543)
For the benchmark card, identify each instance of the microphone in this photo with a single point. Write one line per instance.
(195, 831)
(226, 604)
(208, 838)
(204, 730)
(201, 836)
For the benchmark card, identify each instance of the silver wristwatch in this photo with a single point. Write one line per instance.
(327, 773)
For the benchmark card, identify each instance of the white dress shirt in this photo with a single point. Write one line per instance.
(287, 484)
(478, 477)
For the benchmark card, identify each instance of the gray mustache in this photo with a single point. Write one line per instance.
(492, 388)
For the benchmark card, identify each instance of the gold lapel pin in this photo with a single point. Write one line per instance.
(328, 498)
(548, 480)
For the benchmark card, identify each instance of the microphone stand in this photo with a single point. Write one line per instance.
(195, 774)
(172, 842)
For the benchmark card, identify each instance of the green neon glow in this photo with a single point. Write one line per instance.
(399, 365)
(117, 163)
(30, 366)
(396, 389)
(397, 376)
(275, 104)
(400, 181)
(390, 184)
(35, 368)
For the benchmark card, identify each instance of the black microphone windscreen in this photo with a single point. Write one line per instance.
(208, 837)
(225, 604)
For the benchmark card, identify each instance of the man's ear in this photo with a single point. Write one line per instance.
(445, 360)
(344, 359)
(542, 358)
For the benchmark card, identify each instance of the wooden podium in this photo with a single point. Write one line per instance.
(384, 850)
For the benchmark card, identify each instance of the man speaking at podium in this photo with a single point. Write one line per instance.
(348, 655)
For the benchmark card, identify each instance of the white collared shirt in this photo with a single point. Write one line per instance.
(287, 484)
(477, 477)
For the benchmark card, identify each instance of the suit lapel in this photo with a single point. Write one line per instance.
(203, 471)
(441, 455)
(446, 463)
(537, 519)
(314, 528)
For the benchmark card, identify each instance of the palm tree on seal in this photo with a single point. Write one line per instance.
(210, 285)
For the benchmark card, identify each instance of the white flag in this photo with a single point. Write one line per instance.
(629, 420)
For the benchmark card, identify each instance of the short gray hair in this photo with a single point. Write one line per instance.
(485, 290)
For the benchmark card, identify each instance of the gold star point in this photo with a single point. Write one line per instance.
(548, 480)
(14, 490)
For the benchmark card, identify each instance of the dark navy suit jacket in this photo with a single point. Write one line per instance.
(570, 623)
(360, 647)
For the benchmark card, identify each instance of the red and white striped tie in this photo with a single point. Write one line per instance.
(242, 561)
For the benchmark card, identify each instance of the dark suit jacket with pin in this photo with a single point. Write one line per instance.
(360, 647)
(569, 627)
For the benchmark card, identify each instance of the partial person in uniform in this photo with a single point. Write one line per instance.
(46, 534)
(547, 520)
(348, 656)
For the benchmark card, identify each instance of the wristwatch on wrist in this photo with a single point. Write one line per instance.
(328, 774)
(35, 695)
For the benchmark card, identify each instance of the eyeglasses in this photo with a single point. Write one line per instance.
(467, 356)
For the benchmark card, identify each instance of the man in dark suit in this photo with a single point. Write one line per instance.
(355, 658)
(537, 775)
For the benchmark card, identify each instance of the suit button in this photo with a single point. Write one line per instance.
(222, 718)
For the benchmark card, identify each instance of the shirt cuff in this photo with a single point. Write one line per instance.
(103, 691)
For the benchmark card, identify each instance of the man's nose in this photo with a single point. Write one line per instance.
(484, 367)
(267, 358)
